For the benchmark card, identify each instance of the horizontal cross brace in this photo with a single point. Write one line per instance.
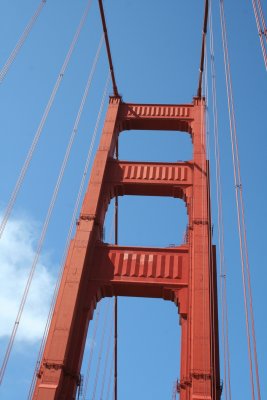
(149, 179)
(164, 266)
(156, 117)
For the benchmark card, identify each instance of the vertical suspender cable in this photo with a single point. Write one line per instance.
(204, 205)
(106, 364)
(237, 188)
(261, 27)
(49, 212)
(250, 326)
(20, 42)
(110, 378)
(223, 291)
(100, 351)
(213, 277)
(262, 18)
(116, 299)
(42, 122)
(74, 216)
(91, 353)
(107, 308)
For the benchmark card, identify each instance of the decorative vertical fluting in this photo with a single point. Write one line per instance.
(184, 274)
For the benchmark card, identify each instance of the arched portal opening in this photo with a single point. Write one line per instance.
(148, 350)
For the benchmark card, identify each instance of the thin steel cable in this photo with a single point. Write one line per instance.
(205, 260)
(73, 220)
(243, 226)
(105, 366)
(102, 342)
(21, 41)
(205, 133)
(72, 224)
(237, 185)
(38, 133)
(222, 265)
(262, 18)
(110, 378)
(261, 27)
(205, 243)
(104, 329)
(213, 277)
(241, 217)
(111, 374)
(49, 212)
(116, 237)
(89, 363)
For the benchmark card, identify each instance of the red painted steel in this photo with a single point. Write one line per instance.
(185, 274)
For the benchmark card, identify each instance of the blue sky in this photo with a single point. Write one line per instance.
(156, 49)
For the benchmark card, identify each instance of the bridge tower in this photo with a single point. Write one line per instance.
(184, 274)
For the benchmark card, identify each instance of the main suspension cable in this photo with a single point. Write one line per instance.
(203, 47)
(43, 121)
(21, 41)
(49, 212)
(250, 326)
(72, 224)
(115, 89)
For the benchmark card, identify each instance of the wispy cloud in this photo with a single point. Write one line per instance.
(16, 256)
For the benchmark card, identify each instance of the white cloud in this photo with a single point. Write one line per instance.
(17, 252)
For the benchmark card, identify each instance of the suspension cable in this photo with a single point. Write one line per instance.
(250, 325)
(21, 41)
(262, 19)
(116, 298)
(110, 378)
(101, 347)
(115, 89)
(261, 27)
(104, 329)
(91, 352)
(105, 365)
(237, 187)
(222, 264)
(203, 47)
(38, 133)
(49, 212)
(211, 259)
(72, 224)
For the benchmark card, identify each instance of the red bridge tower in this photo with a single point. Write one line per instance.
(185, 274)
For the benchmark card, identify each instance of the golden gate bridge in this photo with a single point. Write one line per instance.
(94, 268)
